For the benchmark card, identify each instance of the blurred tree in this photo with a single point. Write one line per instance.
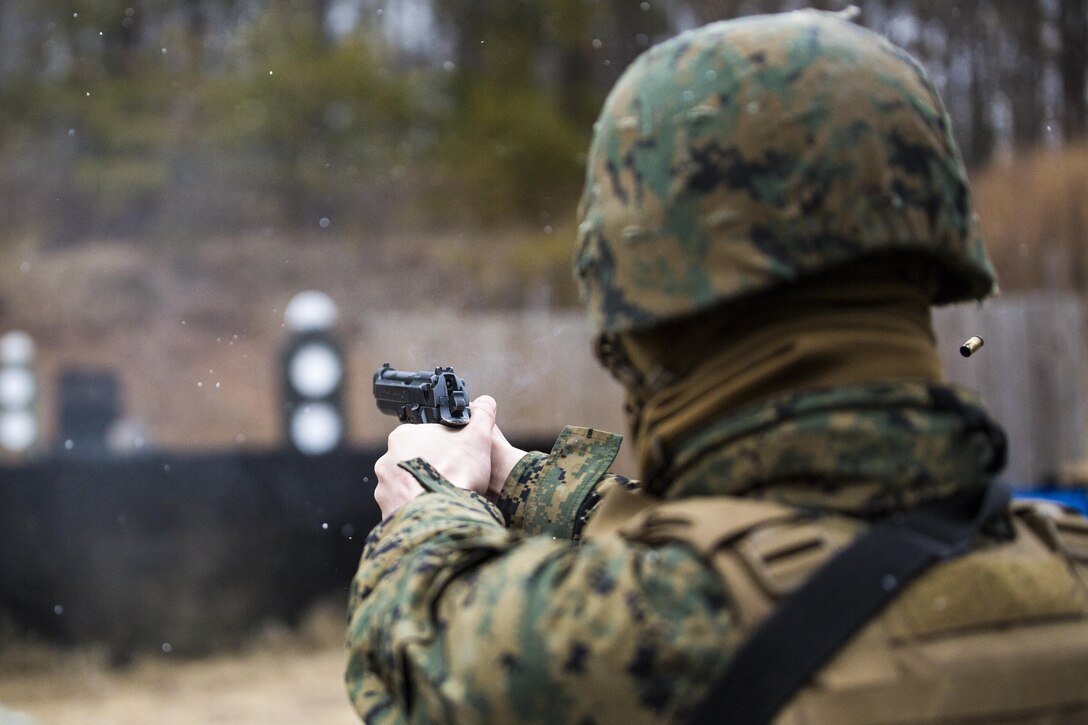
(709, 10)
(1024, 68)
(188, 117)
(196, 29)
(276, 125)
(974, 29)
(632, 31)
(520, 107)
(1073, 66)
(320, 119)
(567, 44)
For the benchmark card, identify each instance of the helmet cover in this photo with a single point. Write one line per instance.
(750, 153)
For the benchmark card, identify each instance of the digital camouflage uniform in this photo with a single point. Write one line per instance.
(738, 157)
(480, 622)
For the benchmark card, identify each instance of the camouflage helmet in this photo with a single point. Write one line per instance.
(750, 153)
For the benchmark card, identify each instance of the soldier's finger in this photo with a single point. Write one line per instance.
(484, 409)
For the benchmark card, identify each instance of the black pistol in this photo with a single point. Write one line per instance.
(422, 397)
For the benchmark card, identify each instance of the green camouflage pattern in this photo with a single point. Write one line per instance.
(864, 449)
(553, 494)
(749, 153)
(455, 617)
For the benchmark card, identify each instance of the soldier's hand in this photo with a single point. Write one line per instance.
(503, 459)
(462, 456)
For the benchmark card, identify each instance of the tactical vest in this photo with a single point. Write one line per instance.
(998, 635)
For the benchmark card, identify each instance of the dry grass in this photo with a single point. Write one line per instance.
(279, 677)
(1034, 210)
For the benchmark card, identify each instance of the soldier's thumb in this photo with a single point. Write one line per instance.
(483, 410)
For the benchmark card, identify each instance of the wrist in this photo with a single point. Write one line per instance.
(396, 488)
(502, 465)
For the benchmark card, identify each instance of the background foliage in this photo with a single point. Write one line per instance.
(164, 121)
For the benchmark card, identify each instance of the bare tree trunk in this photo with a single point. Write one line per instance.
(1073, 67)
(709, 10)
(196, 30)
(635, 29)
(320, 11)
(971, 36)
(121, 39)
(1023, 25)
(577, 96)
(982, 138)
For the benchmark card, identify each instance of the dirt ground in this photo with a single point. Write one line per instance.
(281, 676)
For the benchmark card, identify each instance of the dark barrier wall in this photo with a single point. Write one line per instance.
(187, 551)
(183, 553)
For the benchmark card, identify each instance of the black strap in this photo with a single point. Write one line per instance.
(807, 629)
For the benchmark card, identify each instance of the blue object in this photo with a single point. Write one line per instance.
(1073, 497)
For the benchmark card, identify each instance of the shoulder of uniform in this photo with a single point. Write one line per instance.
(1060, 527)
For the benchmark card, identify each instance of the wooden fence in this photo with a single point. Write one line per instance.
(538, 365)
(1030, 373)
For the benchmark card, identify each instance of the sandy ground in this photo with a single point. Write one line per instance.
(280, 677)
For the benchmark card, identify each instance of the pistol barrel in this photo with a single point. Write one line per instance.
(423, 396)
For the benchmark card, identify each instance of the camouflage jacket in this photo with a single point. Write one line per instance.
(465, 611)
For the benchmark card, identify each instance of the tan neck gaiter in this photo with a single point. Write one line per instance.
(826, 333)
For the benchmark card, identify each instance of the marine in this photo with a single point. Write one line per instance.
(772, 207)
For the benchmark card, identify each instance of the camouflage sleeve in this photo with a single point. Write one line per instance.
(455, 618)
(554, 494)
(407, 560)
